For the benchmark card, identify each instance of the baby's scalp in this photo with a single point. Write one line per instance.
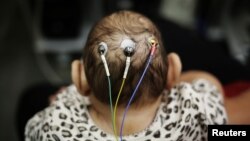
(113, 30)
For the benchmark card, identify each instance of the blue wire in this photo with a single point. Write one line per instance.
(132, 97)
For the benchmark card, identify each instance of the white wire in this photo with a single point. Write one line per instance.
(105, 65)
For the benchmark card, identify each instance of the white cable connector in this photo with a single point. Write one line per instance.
(128, 60)
(105, 65)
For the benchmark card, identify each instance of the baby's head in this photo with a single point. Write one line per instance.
(113, 30)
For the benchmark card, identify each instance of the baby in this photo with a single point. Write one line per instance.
(127, 88)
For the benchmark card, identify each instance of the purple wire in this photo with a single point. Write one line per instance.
(132, 97)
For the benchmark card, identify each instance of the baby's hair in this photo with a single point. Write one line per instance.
(112, 30)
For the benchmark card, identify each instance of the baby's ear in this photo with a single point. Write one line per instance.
(79, 77)
(174, 69)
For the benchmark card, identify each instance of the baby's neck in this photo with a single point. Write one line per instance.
(137, 118)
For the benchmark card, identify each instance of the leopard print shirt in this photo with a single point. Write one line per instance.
(184, 114)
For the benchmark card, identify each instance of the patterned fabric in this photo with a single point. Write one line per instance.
(184, 114)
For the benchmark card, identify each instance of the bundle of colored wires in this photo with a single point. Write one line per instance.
(153, 48)
(119, 93)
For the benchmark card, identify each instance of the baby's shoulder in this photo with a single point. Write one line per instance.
(197, 89)
(69, 102)
(67, 111)
(199, 100)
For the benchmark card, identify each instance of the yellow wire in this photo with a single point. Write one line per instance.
(116, 103)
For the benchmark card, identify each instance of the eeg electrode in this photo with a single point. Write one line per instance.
(128, 48)
(102, 50)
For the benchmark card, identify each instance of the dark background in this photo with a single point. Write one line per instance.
(39, 39)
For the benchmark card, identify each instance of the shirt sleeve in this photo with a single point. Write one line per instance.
(48, 121)
(213, 102)
(37, 126)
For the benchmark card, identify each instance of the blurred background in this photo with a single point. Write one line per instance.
(40, 38)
